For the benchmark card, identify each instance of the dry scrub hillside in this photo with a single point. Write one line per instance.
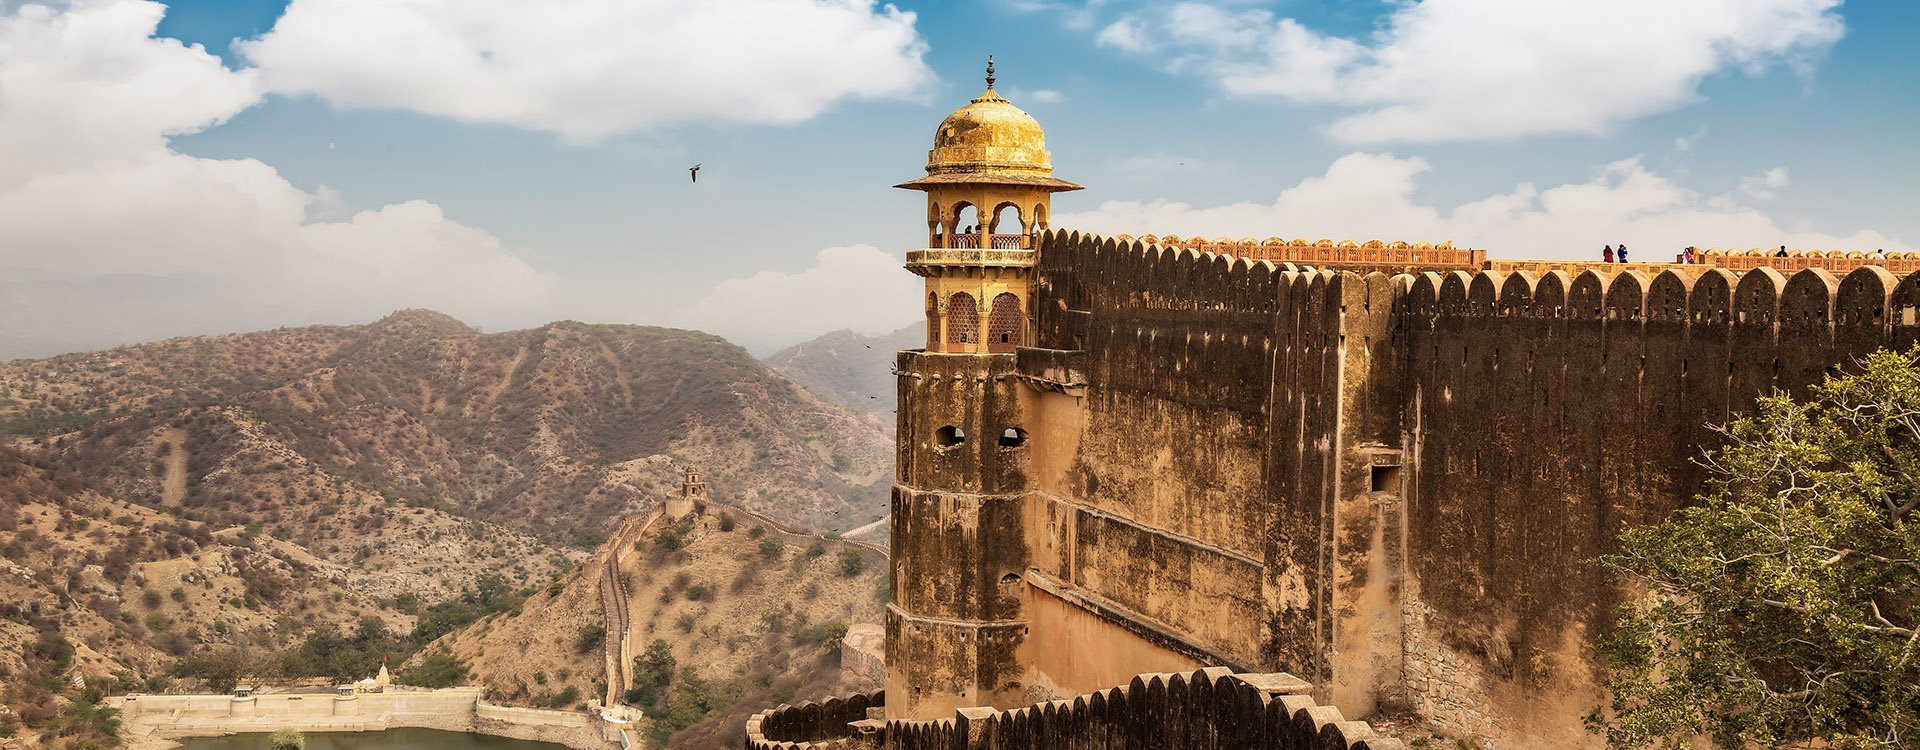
(556, 432)
(310, 501)
(98, 594)
(746, 616)
(852, 369)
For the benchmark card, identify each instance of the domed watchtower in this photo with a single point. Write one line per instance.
(989, 165)
(957, 623)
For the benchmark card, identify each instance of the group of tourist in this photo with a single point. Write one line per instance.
(1690, 255)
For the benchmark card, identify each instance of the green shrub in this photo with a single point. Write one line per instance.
(437, 670)
(287, 739)
(852, 563)
(589, 638)
(825, 635)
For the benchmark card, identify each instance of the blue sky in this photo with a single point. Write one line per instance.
(518, 189)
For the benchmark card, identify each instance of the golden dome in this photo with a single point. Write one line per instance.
(990, 135)
(990, 141)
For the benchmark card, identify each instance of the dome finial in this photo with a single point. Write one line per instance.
(989, 71)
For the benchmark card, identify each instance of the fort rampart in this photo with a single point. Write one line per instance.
(1389, 483)
(1203, 710)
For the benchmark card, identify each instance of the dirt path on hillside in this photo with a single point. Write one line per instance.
(173, 487)
(506, 379)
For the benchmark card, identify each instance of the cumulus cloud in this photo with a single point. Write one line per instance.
(1370, 196)
(590, 68)
(858, 287)
(108, 236)
(1446, 70)
(1124, 34)
(1765, 185)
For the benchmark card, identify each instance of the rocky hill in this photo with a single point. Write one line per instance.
(727, 615)
(310, 501)
(555, 432)
(849, 368)
(98, 594)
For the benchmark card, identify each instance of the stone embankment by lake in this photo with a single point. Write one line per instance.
(153, 721)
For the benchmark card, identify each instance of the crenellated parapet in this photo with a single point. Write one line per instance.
(1370, 254)
(1204, 710)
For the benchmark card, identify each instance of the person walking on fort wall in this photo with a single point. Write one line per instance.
(1688, 257)
(1782, 253)
(1606, 256)
(1621, 253)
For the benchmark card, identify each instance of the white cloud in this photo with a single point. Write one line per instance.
(108, 236)
(1370, 196)
(858, 287)
(1766, 185)
(591, 68)
(71, 93)
(1036, 96)
(1444, 70)
(1125, 34)
(1683, 145)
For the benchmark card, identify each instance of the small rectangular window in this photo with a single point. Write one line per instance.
(1386, 479)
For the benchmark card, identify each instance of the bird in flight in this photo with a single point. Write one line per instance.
(694, 172)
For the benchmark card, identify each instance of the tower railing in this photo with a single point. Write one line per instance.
(994, 241)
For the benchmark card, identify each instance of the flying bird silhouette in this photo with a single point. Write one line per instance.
(694, 172)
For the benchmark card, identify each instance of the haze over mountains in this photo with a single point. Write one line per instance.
(853, 369)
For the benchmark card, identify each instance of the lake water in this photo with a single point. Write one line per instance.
(392, 739)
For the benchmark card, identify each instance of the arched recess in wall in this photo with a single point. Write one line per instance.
(1006, 324)
(1040, 217)
(933, 322)
(963, 319)
(937, 229)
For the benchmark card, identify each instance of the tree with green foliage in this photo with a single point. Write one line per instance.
(437, 669)
(1783, 610)
(651, 673)
(85, 725)
(852, 563)
(589, 638)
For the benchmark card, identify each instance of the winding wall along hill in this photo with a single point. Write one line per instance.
(746, 615)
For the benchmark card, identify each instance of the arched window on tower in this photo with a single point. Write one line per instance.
(1007, 232)
(963, 321)
(1040, 217)
(1006, 324)
(965, 227)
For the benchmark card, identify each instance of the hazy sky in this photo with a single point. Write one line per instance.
(225, 165)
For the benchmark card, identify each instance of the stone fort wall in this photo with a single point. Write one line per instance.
(1387, 484)
(1203, 710)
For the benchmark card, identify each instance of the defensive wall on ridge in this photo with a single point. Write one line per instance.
(1390, 484)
